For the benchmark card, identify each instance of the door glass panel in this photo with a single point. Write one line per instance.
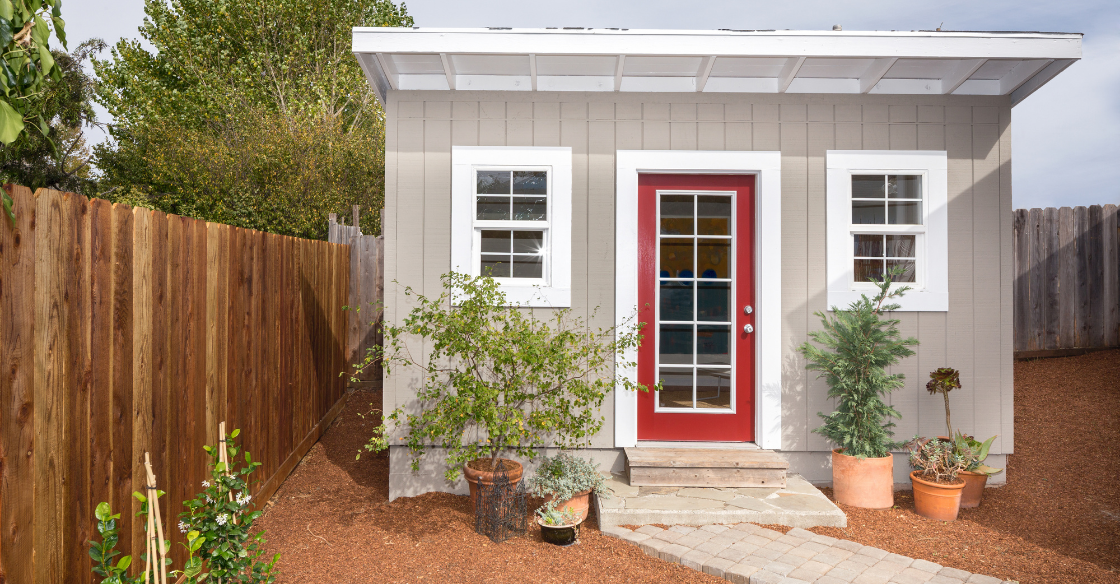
(676, 344)
(713, 258)
(713, 301)
(677, 214)
(713, 215)
(676, 301)
(676, 388)
(676, 258)
(713, 388)
(713, 344)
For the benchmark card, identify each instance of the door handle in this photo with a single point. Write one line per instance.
(748, 329)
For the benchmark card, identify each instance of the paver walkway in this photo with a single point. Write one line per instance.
(748, 554)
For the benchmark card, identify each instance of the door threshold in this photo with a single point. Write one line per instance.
(686, 444)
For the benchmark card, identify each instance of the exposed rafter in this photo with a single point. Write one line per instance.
(789, 72)
(389, 69)
(448, 70)
(1021, 73)
(964, 70)
(874, 73)
(705, 70)
(533, 70)
(618, 72)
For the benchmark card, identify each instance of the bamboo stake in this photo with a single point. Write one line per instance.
(151, 545)
(161, 547)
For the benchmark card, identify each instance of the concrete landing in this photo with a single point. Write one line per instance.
(749, 554)
(798, 504)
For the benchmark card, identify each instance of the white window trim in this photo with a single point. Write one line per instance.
(931, 290)
(767, 167)
(555, 289)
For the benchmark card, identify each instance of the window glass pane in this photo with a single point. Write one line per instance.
(676, 388)
(528, 266)
(713, 301)
(492, 182)
(907, 270)
(713, 344)
(868, 213)
(676, 301)
(676, 215)
(495, 241)
(713, 388)
(676, 344)
(868, 270)
(905, 213)
(904, 187)
(533, 182)
(493, 208)
(713, 258)
(528, 241)
(868, 246)
(495, 266)
(676, 258)
(900, 246)
(530, 208)
(713, 215)
(868, 186)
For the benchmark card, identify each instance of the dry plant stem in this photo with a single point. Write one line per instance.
(948, 424)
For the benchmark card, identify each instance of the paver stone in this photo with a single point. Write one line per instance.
(802, 503)
(682, 529)
(829, 559)
(690, 541)
(733, 554)
(899, 559)
(852, 566)
(954, 573)
(872, 578)
(926, 566)
(778, 567)
(748, 548)
(673, 552)
(635, 537)
(794, 561)
(747, 528)
(717, 566)
(915, 575)
(716, 529)
(982, 579)
(764, 577)
(873, 552)
(842, 573)
(829, 580)
(757, 540)
(802, 533)
(740, 573)
(846, 545)
(862, 559)
(712, 547)
(615, 531)
(939, 579)
(887, 567)
(652, 546)
(668, 535)
(727, 539)
(779, 546)
(769, 534)
(695, 559)
(824, 540)
(650, 530)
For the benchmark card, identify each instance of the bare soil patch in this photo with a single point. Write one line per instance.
(1057, 521)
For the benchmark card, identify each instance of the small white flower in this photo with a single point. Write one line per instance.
(222, 519)
(208, 499)
(206, 484)
(183, 527)
(243, 499)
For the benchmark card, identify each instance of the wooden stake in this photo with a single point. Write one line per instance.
(160, 545)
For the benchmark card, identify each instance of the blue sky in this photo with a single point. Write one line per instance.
(1065, 137)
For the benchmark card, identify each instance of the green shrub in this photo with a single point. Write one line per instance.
(859, 344)
(564, 475)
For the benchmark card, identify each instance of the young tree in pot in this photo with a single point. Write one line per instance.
(859, 344)
(497, 380)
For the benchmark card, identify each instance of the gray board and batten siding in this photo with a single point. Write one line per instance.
(974, 336)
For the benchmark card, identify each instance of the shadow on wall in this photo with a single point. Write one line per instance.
(794, 398)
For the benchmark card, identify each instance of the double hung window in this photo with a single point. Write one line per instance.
(887, 212)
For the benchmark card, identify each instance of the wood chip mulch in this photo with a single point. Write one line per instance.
(1057, 521)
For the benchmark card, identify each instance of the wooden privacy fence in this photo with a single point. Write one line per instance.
(127, 330)
(367, 290)
(1067, 279)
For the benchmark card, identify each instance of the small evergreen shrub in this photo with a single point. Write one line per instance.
(857, 347)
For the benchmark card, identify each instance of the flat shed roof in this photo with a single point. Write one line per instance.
(742, 61)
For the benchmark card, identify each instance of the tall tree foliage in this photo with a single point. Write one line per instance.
(859, 344)
(252, 113)
(57, 158)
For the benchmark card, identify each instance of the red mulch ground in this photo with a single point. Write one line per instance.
(1057, 521)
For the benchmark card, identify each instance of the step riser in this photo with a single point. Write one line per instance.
(706, 477)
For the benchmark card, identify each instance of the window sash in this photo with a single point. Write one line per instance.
(542, 226)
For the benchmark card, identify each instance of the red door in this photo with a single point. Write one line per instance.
(696, 275)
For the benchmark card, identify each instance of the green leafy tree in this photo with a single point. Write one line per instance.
(253, 113)
(859, 344)
(27, 66)
(497, 379)
(58, 159)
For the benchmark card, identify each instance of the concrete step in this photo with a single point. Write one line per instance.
(705, 467)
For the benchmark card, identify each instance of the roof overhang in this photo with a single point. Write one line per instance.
(899, 63)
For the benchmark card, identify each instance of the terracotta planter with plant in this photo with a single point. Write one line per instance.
(482, 471)
(558, 527)
(975, 474)
(937, 488)
(497, 380)
(566, 483)
(859, 344)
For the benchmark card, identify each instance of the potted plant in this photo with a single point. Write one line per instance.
(566, 482)
(937, 488)
(559, 527)
(497, 379)
(859, 344)
(975, 474)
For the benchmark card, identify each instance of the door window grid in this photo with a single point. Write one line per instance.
(516, 199)
(695, 313)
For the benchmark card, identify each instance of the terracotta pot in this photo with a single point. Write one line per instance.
(561, 535)
(514, 470)
(973, 488)
(935, 500)
(580, 503)
(867, 483)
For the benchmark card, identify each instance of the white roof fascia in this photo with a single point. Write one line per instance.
(722, 43)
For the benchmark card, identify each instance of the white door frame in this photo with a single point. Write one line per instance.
(767, 167)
